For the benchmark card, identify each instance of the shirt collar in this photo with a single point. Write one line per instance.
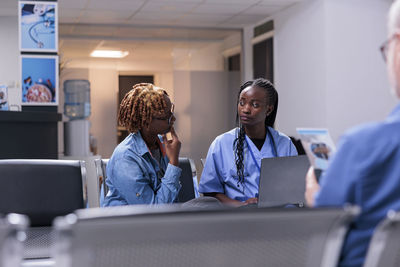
(395, 114)
(141, 146)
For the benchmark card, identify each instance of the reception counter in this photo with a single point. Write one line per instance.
(29, 134)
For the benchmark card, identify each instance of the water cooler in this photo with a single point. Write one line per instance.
(77, 108)
(76, 133)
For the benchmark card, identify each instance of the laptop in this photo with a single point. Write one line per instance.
(282, 181)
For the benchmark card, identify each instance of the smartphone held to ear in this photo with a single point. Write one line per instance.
(168, 136)
(318, 173)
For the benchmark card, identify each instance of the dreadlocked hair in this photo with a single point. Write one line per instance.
(271, 99)
(139, 105)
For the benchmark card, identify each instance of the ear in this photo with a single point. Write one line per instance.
(394, 74)
(393, 65)
(269, 110)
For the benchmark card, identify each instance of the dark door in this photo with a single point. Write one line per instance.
(234, 62)
(263, 62)
(126, 82)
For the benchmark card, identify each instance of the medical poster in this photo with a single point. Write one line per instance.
(38, 26)
(3, 97)
(39, 81)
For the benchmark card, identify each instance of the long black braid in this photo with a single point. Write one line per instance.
(272, 98)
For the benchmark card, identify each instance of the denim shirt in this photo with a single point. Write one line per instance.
(135, 177)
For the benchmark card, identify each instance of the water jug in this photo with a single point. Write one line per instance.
(77, 99)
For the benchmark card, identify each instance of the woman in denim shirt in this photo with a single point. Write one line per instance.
(143, 168)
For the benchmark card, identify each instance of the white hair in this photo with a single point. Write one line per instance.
(394, 18)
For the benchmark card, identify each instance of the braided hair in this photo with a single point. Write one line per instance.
(139, 105)
(271, 99)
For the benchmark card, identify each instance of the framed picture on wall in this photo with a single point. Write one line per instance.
(38, 26)
(3, 97)
(39, 80)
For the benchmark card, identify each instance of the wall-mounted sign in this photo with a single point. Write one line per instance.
(3, 97)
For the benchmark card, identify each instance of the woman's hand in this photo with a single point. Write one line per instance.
(253, 200)
(312, 187)
(172, 147)
(226, 200)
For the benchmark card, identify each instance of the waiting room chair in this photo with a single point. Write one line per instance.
(101, 172)
(170, 235)
(12, 234)
(384, 248)
(42, 190)
(188, 179)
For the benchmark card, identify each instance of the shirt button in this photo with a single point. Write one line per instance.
(138, 194)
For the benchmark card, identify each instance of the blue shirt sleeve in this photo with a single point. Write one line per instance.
(170, 185)
(210, 181)
(292, 151)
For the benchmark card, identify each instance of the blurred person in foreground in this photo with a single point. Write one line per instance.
(365, 170)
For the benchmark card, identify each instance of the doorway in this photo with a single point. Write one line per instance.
(263, 59)
(125, 84)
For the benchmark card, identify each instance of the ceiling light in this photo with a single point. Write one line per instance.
(109, 53)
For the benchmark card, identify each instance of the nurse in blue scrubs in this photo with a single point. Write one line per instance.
(232, 169)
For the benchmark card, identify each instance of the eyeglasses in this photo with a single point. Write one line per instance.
(169, 118)
(385, 46)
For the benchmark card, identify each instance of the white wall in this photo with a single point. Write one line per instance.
(233, 41)
(328, 70)
(299, 50)
(209, 57)
(357, 86)
(9, 55)
(182, 101)
(104, 95)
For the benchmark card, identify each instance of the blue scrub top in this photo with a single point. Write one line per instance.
(219, 173)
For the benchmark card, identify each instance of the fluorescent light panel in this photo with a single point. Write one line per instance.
(109, 53)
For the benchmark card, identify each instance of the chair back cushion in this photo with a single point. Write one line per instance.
(41, 189)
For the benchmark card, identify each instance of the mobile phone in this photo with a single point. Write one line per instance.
(318, 173)
(168, 136)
